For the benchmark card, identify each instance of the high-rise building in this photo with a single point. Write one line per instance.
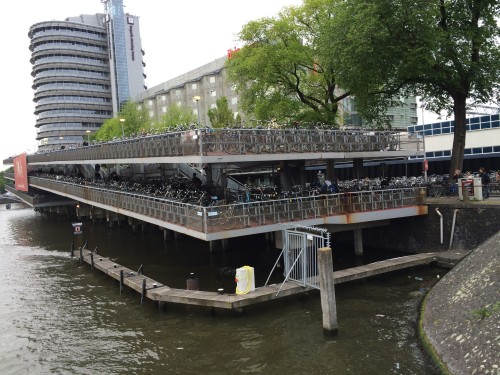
(84, 69)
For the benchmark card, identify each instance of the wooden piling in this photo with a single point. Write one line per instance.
(143, 292)
(327, 290)
(121, 281)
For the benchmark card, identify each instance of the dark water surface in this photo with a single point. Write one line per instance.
(57, 317)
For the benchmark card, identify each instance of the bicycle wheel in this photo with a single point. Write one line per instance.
(227, 221)
(231, 148)
(194, 218)
(255, 215)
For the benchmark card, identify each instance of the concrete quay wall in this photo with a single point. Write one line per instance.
(460, 318)
(474, 223)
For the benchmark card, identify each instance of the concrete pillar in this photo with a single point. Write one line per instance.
(357, 165)
(211, 244)
(358, 242)
(224, 243)
(327, 291)
(209, 175)
(330, 169)
(176, 235)
(165, 235)
(292, 173)
(278, 239)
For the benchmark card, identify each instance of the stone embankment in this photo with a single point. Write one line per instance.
(461, 314)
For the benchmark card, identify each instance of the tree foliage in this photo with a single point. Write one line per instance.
(175, 116)
(137, 120)
(279, 72)
(221, 116)
(2, 183)
(445, 51)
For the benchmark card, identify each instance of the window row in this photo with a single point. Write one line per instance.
(473, 123)
(468, 151)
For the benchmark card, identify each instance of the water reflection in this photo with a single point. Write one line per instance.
(57, 317)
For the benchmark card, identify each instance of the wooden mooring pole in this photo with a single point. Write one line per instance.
(327, 291)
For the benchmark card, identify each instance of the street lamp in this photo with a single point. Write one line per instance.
(122, 120)
(88, 135)
(197, 99)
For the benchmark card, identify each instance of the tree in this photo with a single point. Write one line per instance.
(279, 72)
(2, 183)
(221, 116)
(174, 117)
(137, 120)
(445, 51)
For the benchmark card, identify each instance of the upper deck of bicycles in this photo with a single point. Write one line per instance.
(238, 145)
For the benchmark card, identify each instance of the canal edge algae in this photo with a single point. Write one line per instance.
(462, 341)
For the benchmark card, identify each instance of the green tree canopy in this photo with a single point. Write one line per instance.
(174, 117)
(2, 183)
(137, 120)
(279, 72)
(221, 116)
(445, 51)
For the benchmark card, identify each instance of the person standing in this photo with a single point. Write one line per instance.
(454, 182)
(485, 180)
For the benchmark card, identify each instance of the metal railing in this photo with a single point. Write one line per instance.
(236, 216)
(235, 142)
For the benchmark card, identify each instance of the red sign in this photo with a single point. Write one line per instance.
(231, 52)
(426, 165)
(77, 228)
(20, 173)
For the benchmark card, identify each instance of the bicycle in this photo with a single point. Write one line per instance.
(228, 217)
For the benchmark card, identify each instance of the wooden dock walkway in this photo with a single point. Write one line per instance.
(158, 292)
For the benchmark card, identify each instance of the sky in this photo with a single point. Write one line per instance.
(178, 36)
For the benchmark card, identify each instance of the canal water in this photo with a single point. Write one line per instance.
(57, 317)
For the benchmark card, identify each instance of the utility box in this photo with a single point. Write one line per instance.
(473, 186)
(245, 280)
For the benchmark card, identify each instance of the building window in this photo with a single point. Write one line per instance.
(413, 105)
(414, 120)
(150, 103)
(212, 106)
(212, 79)
(234, 100)
(151, 113)
(179, 104)
(195, 112)
(390, 117)
(163, 98)
(194, 86)
(233, 87)
(177, 93)
(164, 109)
(213, 93)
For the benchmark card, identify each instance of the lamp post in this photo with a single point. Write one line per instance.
(197, 99)
(88, 135)
(122, 120)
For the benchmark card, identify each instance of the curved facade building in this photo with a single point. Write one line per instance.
(75, 78)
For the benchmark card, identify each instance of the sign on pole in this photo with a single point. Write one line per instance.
(77, 228)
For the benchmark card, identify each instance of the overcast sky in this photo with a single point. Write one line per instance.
(178, 36)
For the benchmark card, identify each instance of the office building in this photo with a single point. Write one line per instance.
(84, 69)
(200, 88)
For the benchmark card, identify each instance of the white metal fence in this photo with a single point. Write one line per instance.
(300, 255)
